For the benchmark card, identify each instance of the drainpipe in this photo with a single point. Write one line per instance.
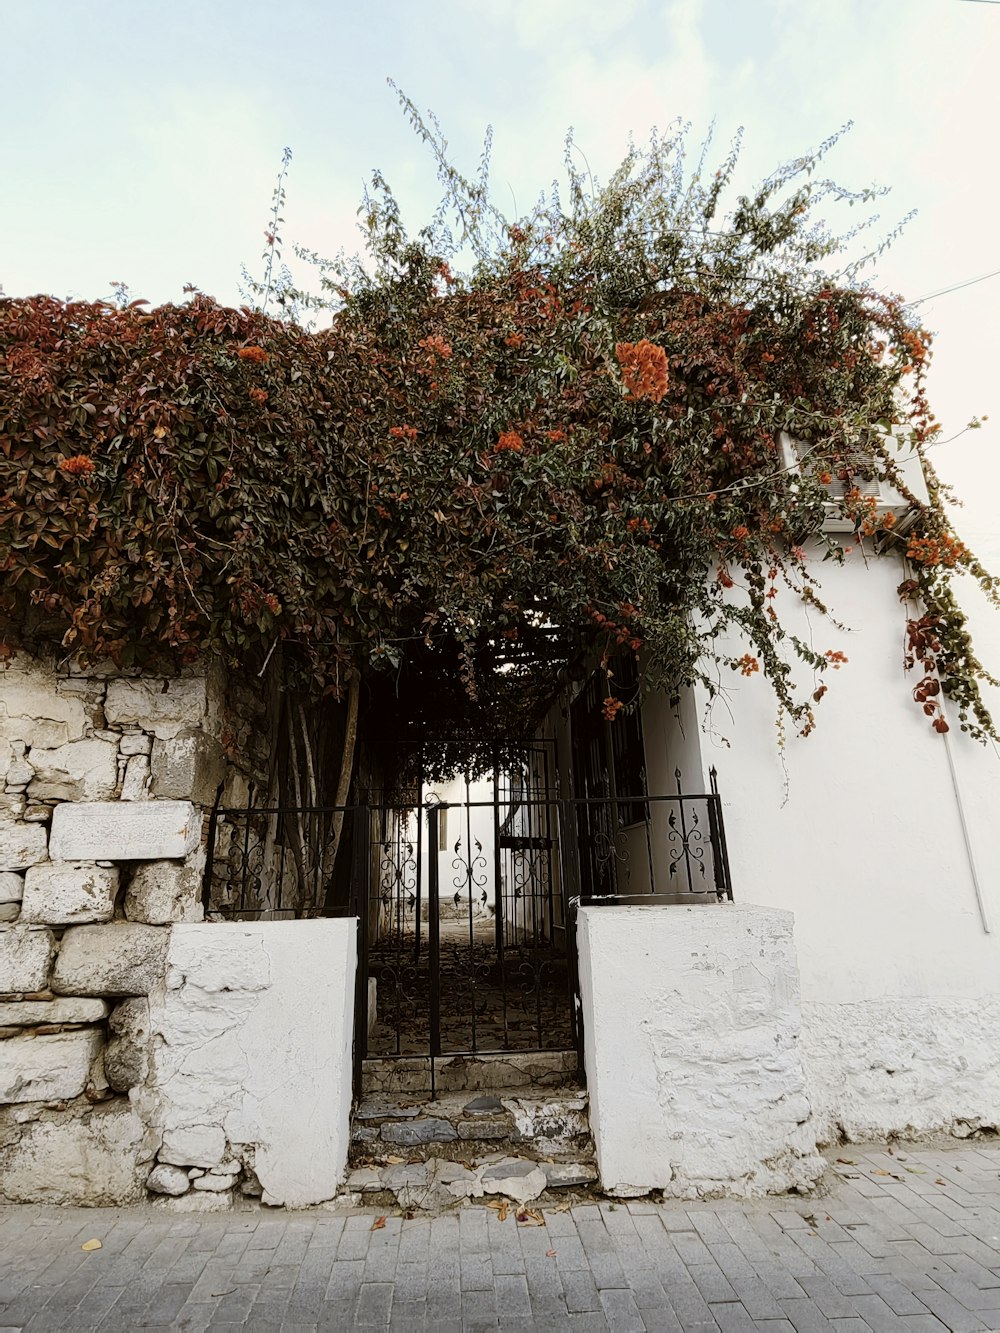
(967, 837)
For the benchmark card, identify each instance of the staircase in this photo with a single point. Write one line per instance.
(500, 1132)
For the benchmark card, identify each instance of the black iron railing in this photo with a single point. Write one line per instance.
(466, 908)
(272, 861)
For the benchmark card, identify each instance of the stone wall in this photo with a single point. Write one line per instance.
(911, 1066)
(693, 1070)
(105, 782)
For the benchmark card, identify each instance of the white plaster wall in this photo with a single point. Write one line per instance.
(691, 1019)
(898, 972)
(252, 1034)
(469, 827)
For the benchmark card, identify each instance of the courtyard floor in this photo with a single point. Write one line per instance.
(907, 1239)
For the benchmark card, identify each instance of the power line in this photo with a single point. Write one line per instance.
(969, 282)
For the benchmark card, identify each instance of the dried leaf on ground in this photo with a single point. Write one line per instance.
(91, 1245)
(378, 1224)
(501, 1207)
(530, 1217)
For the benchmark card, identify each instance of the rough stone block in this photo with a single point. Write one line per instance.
(96, 1160)
(164, 891)
(25, 957)
(135, 785)
(214, 1184)
(80, 771)
(126, 1059)
(48, 1069)
(431, 1130)
(124, 831)
(9, 913)
(21, 845)
(65, 1009)
(11, 887)
(189, 766)
(135, 743)
(32, 710)
(122, 958)
(163, 707)
(518, 1178)
(164, 1179)
(196, 1145)
(60, 893)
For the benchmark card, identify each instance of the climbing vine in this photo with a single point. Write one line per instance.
(514, 445)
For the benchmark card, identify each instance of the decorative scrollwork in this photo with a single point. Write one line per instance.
(472, 872)
(687, 844)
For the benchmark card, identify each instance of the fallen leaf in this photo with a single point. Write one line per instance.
(551, 1254)
(879, 1172)
(91, 1245)
(847, 1161)
(915, 1170)
(939, 1181)
(501, 1207)
(530, 1217)
(378, 1224)
(395, 1161)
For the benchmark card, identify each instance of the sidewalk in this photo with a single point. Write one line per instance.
(907, 1241)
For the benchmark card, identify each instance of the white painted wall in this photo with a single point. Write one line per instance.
(691, 1019)
(252, 1035)
(468, 826)
(900, 979)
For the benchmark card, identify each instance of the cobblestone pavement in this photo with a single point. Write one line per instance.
(902, 1240)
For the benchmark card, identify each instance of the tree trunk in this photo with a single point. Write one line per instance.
(344, 783)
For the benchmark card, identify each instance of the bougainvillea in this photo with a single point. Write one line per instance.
(472, 478)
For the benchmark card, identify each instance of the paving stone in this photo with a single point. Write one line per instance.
(431, 1130)
(484, 1105)
(565, 1175)
(589, 1267)
(484, 1129)
(518, 1178)
(380, 1107)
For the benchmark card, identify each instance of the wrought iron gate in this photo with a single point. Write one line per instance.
(466, 893)
(468, 944)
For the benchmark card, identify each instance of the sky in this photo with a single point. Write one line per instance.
(139, 141)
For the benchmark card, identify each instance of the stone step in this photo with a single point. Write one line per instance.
(537, 1124)
(440, 1183)
(471, 1073)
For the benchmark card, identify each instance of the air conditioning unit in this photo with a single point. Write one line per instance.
(850, 474)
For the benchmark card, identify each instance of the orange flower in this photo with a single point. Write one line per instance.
(403, 432)
(509, 442)
(252, 354)
(556, 436)
(747, 664)
(835, 657)
(77, 466)
(514, 339)
(258, 395)
(740, 533)
(611, 708)
(435, 345)
(644, 369)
